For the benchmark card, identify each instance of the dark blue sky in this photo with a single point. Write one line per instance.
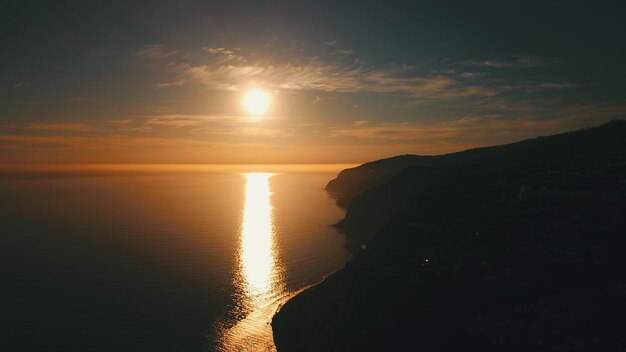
(161, 81)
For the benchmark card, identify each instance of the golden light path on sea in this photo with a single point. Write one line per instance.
(257, 257)
(259, 272)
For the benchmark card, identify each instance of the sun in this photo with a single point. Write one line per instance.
(256, 102)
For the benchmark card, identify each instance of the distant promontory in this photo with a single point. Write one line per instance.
(507, 248)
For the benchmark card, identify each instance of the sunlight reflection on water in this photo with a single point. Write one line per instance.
(258, 255)
(259, 277)
(161, 248)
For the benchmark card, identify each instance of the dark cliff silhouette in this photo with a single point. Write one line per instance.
(514, 247)
(382, 188)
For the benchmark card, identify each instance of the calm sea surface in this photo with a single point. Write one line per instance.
(159, 258)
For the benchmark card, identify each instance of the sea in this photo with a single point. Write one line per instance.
(159, 257)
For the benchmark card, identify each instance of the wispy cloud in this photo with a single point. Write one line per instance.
(222, 55)
(80, 127)
(344, 51)
(163, 85)
(338, 71)
(120, 121)
(317, 75)
(392, 131)
(499, 105)
(465, 131)
(231, 69)
(473, 130)
(469, 75)
(176, 120)
(219, 51)
(165, 124)
(559, 85)
(520, 61)
(100, 143)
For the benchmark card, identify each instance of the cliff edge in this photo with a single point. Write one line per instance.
(518, 250)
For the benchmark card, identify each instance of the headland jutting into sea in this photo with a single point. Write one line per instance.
(516, 247)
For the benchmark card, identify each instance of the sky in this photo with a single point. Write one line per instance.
(349, 81)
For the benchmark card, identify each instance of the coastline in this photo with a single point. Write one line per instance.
(517, 252)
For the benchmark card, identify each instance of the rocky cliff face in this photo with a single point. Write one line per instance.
(520, 251)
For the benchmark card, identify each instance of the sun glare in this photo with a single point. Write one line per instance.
(256, 102)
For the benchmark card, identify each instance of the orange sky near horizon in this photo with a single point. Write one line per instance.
(185, 140)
